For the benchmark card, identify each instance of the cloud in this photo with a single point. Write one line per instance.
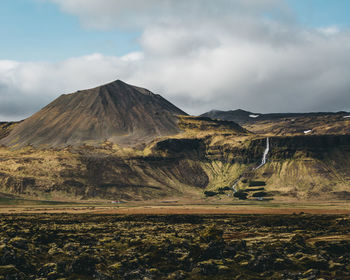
(200, 58)
(104, 14)
(286, 70)
(329, 30)
(25, 87)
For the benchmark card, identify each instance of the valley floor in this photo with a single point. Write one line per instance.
(175, 207)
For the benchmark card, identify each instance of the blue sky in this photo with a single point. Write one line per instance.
(34, 30)
(320, 13)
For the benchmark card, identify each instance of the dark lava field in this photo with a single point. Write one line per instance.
(63, 246)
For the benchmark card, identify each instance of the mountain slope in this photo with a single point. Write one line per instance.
(115, 112)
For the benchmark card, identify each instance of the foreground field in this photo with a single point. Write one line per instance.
(86, 246)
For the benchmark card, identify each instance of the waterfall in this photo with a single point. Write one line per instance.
(263, 162)
(266, 152)
(235, 184)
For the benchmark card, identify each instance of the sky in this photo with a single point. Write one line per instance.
(259, 55)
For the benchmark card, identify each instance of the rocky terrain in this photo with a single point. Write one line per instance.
(106, 247)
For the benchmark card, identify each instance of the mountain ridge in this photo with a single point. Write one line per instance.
(242, 116)
(314, 123)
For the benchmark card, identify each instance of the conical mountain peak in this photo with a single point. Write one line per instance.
(117, 112)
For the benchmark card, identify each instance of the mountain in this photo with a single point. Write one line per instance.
(116, 112)
(320, 123)
(242, 117)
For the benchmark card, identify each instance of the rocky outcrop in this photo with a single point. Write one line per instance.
(316, 146)
(16, 185)
(6, 128)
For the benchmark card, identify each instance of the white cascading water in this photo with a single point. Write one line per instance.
(263, 162)
(234, 186)
(266, 152)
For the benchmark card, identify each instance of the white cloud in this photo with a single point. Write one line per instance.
(134, 56)
(200, 58)
(329, 30)
(138, 13)
(28, 86)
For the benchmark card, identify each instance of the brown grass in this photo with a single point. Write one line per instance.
(132, 209)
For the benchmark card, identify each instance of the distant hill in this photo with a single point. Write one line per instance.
(116, 112)
(238, 116)
(242, 117)
(287, 123)
(207, 125)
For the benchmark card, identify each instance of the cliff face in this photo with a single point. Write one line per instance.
(320, 146)
(306, 167)
(299, 167)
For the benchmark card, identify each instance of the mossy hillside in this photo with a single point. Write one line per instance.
(305, 167)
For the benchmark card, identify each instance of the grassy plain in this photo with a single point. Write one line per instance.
(176, 206)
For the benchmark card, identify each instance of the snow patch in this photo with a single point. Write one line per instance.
(307, 131)
(254, 116)
(346, 117)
